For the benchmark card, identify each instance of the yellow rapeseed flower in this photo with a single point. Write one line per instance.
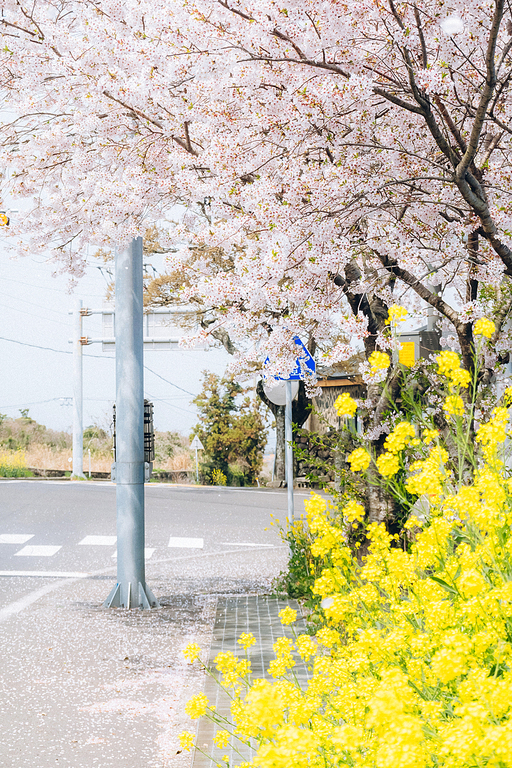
(396, 314)
(353, 512)
(447, 361)
(287, 615)
(484, 327)
(359, 460)
(187, 740)
(196, 706)
(345, 405)
(388, 464)
(429, 435)
(401, 436)
(192, 651)
(315, 505)
(507, 397)
(221, 739)
(411, 665)
(493, 433)
(448, 364)
(453, 405)
(459, 377)
(305, 646)
(379, 361)
(246, 639)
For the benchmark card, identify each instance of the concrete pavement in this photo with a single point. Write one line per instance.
(81, 686)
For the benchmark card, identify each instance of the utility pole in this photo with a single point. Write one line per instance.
(78, 417)
(288, 436)
(131, 590)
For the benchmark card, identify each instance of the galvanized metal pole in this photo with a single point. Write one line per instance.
(288, 436)
(131, 590)
(197, 469)
(78, 393)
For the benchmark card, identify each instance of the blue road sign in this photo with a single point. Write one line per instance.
(304, 360)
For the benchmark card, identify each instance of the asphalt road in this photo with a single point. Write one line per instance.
(66, 529)
(86, 687)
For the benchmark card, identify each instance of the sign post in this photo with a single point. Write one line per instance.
(275, 395)
(288, 436)
(197, 445)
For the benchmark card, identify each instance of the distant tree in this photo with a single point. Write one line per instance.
(232, 428)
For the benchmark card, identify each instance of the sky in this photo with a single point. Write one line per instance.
(36, 359)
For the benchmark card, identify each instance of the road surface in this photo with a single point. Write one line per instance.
(87, 687)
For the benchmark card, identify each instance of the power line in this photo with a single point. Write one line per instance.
(36, 402)
(50, 288)
(31, 314)
(99, 357)
(169, 405)
(32, 303)
(169, 382)
(36, 346)
(31, 285)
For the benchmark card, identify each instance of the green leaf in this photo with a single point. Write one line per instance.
(444, 584)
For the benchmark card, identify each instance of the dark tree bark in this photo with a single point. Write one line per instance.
(300, 412)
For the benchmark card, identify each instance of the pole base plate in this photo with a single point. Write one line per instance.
(123, 595)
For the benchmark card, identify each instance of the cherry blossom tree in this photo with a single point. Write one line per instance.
(348, 155)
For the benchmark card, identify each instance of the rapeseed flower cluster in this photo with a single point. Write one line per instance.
(401, 436)
(359, 460)
(493, 433)
(453, 405)
(345, 405)
(484, 327)
(388, 464)
(412, 666)
(430, 474)
(396, 314)
(448, 364)
(379, 361)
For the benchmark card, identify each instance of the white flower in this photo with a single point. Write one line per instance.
(452, 24)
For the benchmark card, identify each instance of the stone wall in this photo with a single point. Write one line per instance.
(323, 416)
(324, 453)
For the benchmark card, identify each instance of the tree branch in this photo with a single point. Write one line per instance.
(423, 292)
(490, 83)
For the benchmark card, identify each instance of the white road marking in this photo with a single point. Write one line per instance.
(179, 541)
(37, 551)
(13, 608)
(243, 544)
(49, 574)
(15, 538)
(18, 605)
(148, 553)
(102, 541)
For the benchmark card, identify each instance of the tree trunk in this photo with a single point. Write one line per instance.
(279, 458)
(381, 506)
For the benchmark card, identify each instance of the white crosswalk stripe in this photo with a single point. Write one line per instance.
(38, 551)
(185, 543)
(15, 538)
(101, 541)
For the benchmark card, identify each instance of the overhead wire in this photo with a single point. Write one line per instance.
(32, 303)
(31, 314)
(99, 357)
